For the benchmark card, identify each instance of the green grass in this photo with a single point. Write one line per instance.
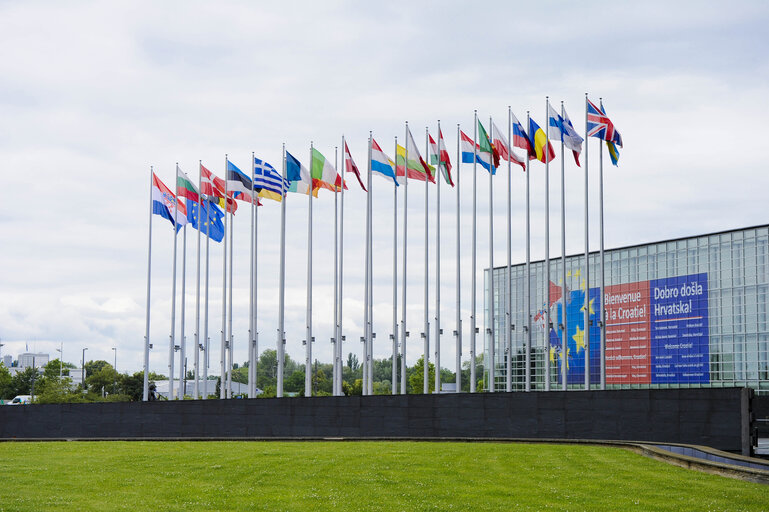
(354, 476)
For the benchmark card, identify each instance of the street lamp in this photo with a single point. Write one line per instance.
(114, 381)
(61, 357)
(82, 371)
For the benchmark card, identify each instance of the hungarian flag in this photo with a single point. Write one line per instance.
(324, 174)
(184, 187)
(440, 157)
(503, 148)
(349, 166)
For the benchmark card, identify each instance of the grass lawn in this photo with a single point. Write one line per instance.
(354, 476)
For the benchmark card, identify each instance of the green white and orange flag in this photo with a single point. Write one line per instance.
(417, 167)
(184, 187)
(323, 173)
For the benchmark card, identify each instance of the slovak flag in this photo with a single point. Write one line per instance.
(165, 203)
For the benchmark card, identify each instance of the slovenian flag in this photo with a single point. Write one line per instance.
(165, 203)
(381, 163)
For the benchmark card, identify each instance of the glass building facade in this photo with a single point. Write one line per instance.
(690, 312)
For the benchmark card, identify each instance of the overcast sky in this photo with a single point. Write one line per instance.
(93, 93)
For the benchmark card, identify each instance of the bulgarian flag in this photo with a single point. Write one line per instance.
(184, 187)
(440, 157)
(324, 174)
(417, 167)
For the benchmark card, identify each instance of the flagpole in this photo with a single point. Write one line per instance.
(146, 389)
(255, 332)
(366, 296)
(282, 284)
(405, 239)
(564, 289)
(339, 336)
(231, 344)
(251, 283)
(602, 322)
(183, 341)
(426, 333)
(370, 275)
(586, 333)
(490, 328)
(547, 243)
(509, 284)
(473, 328)
(308, 342)
(172, 341)
(335, 339)
(458, 332)
(527, 284)
(196, 390)
(394, 335)
(438, 264)
(223, 361)
(206, 340)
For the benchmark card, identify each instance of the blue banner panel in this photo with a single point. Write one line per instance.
(680, 345)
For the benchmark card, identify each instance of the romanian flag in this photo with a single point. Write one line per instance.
(538, 136)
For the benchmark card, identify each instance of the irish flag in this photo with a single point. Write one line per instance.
(324, 174)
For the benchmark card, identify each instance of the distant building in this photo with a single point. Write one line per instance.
(7, 360)
(29, 359)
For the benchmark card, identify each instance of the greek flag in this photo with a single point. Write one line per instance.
(268, 182)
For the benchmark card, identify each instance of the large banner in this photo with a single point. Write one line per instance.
(656, 333)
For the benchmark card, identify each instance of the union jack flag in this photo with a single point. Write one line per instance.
(600, 126)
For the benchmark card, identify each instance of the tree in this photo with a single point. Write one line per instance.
(352, 362)
(92, 367)
(6, 390)
(478, 374)
(295, 382)
(52, 369)
(132, 385)
(21, 384)
(57, 391)
(103, 378)
(416, 377)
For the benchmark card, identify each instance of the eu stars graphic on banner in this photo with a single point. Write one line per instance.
(539, 138)
(211, 216)
(268, 182)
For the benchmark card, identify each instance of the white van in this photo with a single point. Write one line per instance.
(20, 400)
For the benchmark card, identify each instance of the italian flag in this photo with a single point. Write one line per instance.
(324, 174)
(184, 187)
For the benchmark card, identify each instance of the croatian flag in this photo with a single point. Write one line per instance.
(165, 203)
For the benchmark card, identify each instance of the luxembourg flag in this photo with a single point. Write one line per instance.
(381, 163)
(164, 203)
(468, 155)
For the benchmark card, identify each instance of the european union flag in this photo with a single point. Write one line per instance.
(212, 219)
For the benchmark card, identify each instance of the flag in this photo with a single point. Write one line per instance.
(323, 173)
(164, 203)
(211, 216)
(238, 183)
(484, 144)
(440, 157)
(213, 187)
(612, 144)
(469, 155)
(521, 139)
(600, 126)
(539, 138)
(184, 187)
(417, 167)
(560, 128)
(381, 163)
(555, 293)
(298, 176)
(268, 182)
(349, 166)
(503, 148)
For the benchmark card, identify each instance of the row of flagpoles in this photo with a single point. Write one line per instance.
(206, 207)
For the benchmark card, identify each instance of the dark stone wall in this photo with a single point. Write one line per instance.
(711, 417)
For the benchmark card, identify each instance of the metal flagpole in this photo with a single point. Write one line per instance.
(426, 333)
(339, 336)
(602, 322)
(564, 289)
(206, 340)
(473, 328)
(282, 286)
(547, 244)
(405, 239)
(255, 333)
(196, 389)
(394, 335)
(308, 341)
(527, 284)
(438, 263)
(366, 284)
(231, 337)
(251, 284)
(223, 361)
(172, 341)
(146, 390)
(458, 332)
(509, 283)
(182, 341)
(490, 328)
(371, 333)
(586, 306)
(335, 338)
